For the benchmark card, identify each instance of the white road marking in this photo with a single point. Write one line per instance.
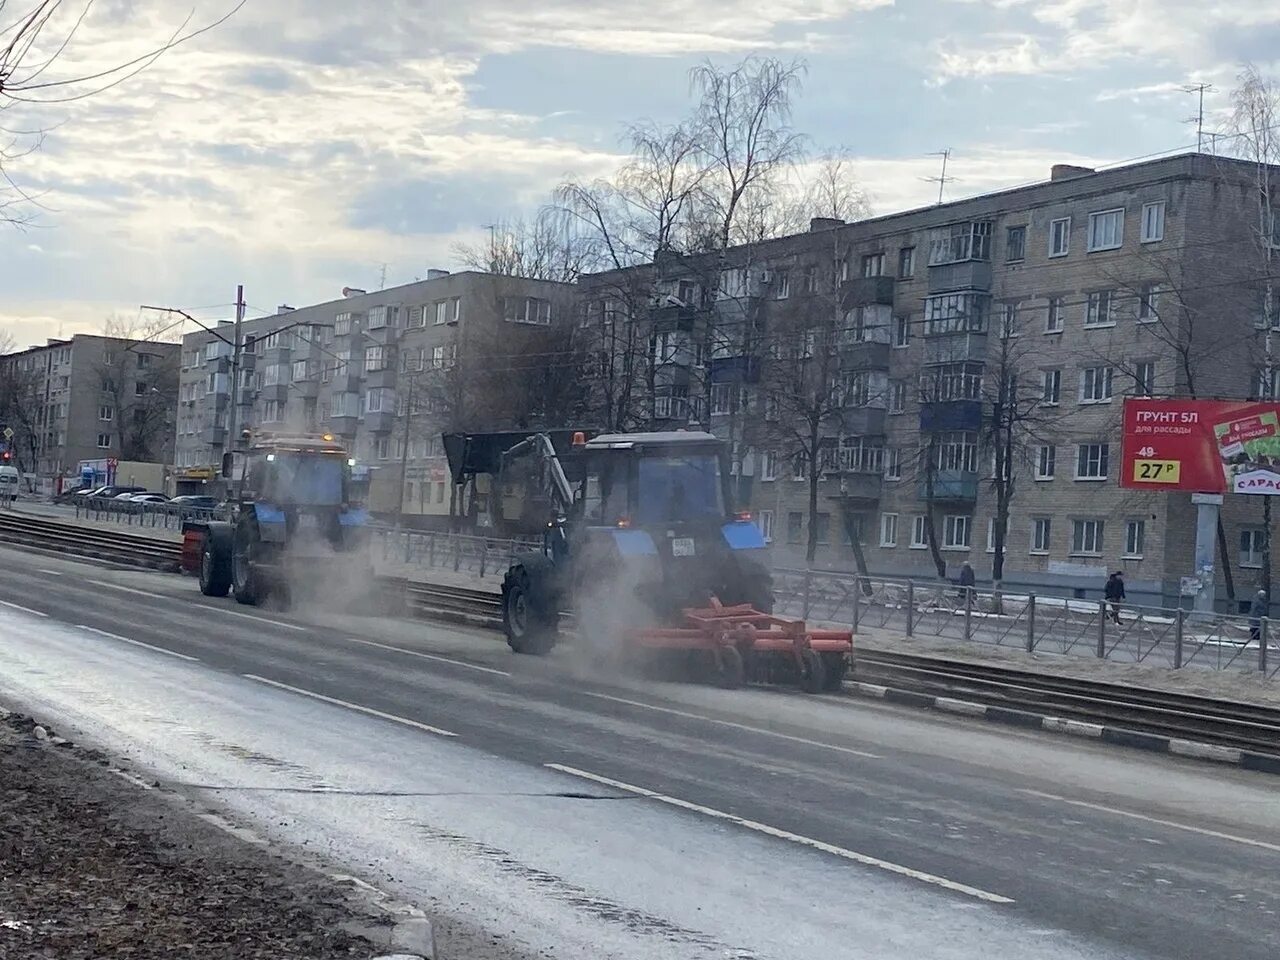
(353, 706)
(736, 726)
(206, 606)
(429, 656)
(136, 643)
(1217, 835)
(853, 855)
(18, 606)
(51, 573)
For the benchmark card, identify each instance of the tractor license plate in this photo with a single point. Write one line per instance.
(682, 547)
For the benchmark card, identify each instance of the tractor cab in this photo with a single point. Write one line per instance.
(652, 480)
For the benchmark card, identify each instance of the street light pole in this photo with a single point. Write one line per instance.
(237, 344)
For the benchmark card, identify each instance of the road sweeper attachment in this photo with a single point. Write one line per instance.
(640, 544)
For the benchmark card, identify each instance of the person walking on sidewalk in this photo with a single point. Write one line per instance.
(967, 580)
(1257, 610)
(1114, 594)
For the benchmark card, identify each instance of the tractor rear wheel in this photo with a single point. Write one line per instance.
(215, 569)
(813, 673)
(526, 620)
(246, 582)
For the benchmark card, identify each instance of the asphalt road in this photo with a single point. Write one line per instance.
(589, 816)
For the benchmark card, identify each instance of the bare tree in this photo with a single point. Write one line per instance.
(549, 247)
(138, 370)
(21, 402)
(32, 45)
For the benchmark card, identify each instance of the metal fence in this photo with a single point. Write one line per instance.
(461, 553)
(149, 515)
(1165, 637)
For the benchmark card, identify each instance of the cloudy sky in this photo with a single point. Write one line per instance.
(305, 144)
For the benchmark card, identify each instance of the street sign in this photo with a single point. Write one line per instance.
(8, 433)
(1201, 446)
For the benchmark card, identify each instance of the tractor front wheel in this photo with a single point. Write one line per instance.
(527, 621)
(246, 582)
(215, 569)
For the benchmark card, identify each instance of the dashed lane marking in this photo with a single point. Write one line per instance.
(353, 706)
(203, 606)
(136, 643)
(430, 656)
(18, 606)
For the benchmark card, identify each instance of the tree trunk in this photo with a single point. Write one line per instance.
(1266, 546)
(811, 550)
(930, 531)
(855, 543)
(1225, 559)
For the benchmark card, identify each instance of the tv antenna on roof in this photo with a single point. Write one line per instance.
(1198, 119)
(942, 179)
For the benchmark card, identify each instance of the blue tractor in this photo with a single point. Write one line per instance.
(294, 523)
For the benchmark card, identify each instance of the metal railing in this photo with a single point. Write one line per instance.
(148, 515)
(461, 553)
(1171, 638)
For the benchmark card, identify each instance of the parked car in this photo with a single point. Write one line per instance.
(146, 498)
(114, 490)
(193, 501)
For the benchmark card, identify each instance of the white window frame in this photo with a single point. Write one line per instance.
(1144, 387)
(1100, 309)
(1100, 237)
(106, 413)
(1149, 302)
(906, 258)
(1054, 224)
(888, 529)
(1041, 535)
(991, 536)
(441, 316)
(1096, 388)
(872, 265)
(1102, 461)
(721, 399)
(897, 396)
(764, 520)
(893, 463)
(107, 438)
(901, 332)
(1051, 377)
(919, 534)
(1090, 535)
(1153, 232)
(1046, 461)
(1134, 546)
(1055, 318)
(1252, 560)
(768, 465)
(952, 524)
(781, 284)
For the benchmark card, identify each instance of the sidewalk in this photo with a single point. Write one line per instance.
(94, 866)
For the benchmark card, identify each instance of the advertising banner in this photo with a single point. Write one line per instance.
(1201, 446)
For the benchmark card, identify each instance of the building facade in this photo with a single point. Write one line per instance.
(946, 368)
(89, 398)
(387, 372)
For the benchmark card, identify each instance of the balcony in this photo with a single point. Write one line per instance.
(864, 291)
(953, 486)
(854, 486)
(381, 377)
(865, 356)
(380, 422)
(955, 348)
(968, 275)
(278, 392)
(214, 436)
(344, 425)
(673, 318)
(346, 382)
(863, 421)
(306, 388)
(946, 415)
(742, 369)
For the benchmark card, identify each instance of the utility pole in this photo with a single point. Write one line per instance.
(404, 453)
(236, 346)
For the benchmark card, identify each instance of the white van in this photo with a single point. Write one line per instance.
(8, 482)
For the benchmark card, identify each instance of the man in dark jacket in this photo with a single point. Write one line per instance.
(967, 579)
(1114, 593)
(1257, 610)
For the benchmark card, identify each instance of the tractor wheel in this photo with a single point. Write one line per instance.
(730, 669)
(835, 665)
(813, 674)
(246, 583)
(215, 569)
(529, 626)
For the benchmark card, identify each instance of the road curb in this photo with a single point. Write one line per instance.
(1026, 719)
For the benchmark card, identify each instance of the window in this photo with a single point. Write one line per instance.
(952, 381)
(901, 331)
(888, 529)
(1015, 244)
(1046, 461)
(800, 467)
(809, 279)
(919, 532)
(893, 463)
(955, 313)
(301, 369)
(1251, 547)
(1095, 385)
(274, 374)
(906, 263)
(795, 526)
(1091, 461)
(1060, 237)
(733, 282)
(1135, 535)
(437, 358)
(1040, 532)
(342, 324)
(769, 465)
(721, 398)
(897, 396)
(960, 241)
(442, 312)
(1144, 378)
(144, 359)
(379, 400)
(822, 527)
(1099, 310)
(1106, 230)
(957, 450)
(781, 284)
(382, 448)
(1149, 302)
(104, 441)
(1052, 380)
(1055, 319)
(140, 388)
(1086, 537)
(272, 411)
(106, 414)
(216, 348)
(520, 310)
(956, 531)
(1009, 320)
(108, 358)
(1153, 222)
(764, 520)
(377, 317)
(873, 265)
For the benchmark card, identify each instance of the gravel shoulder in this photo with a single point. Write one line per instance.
(94, 866)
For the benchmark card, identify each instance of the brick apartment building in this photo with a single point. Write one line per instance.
(1145, 279)
(89, 398)
(386, 371)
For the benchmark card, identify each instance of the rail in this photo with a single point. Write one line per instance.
(97, 543)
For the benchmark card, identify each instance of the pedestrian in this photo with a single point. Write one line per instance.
(1114, 593)
(967, 580)
(1257, 610)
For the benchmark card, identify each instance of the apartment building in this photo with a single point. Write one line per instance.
(386, 371)
(88, 398)
(926, 350)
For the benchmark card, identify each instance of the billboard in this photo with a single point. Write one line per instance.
(1201, 446)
